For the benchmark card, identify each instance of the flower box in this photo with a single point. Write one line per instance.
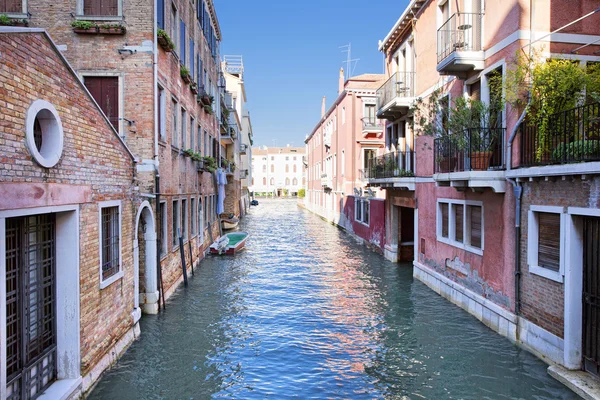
(114, 30)
(92, 30)
(164, 43)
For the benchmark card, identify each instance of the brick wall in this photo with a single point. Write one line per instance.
(542, 300)
(93, 158)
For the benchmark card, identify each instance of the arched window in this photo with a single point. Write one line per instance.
(264, 181)
(272, 167)
(272, 181)
(294, 168)
(295, 182)
(287, 181)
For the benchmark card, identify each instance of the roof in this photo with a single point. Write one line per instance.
(405, 20)
(277, 150)
(211, 8)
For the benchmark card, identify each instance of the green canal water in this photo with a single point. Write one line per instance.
(305, 312)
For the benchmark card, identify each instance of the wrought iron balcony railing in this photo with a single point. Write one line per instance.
(391, 165)
(571, 136)
(462, 32)
(477, 149)
(400, 84)
(372, 124)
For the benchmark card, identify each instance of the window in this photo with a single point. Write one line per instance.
(160, 13)
(287, 181)
(294, 168)
(193, 217)
(175, 126)
(200, 223)
(343, 162)
(110, 242)
(287, 168)
(272, 168)
(264, 181)
(182, 40)
(184, 219)
(370, 114)
(192, 58)
(368, 156)
(264, 168)
(361, 210)
(199, 141)
(343, 115)
(295, 182)
(98, 7)
(460, 224)
(192, 136)
(11, 6)
(545, 248)
(272, 158)
(105, 90)
(272, 181)
(175, 224)
(162, 105)
(287, 159)
(44, 140)
(163, 229)
(174, 23)
(183, 128)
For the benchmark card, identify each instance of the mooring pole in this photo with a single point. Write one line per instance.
(182, 252)
(191, 256)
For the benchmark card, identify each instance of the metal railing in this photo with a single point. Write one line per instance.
(477, 149)
(372, 124)
(462, 32)
(571, 136)
(400, 84)
(399, 164)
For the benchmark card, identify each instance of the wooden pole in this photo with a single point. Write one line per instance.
(191, 255)
(182, 253)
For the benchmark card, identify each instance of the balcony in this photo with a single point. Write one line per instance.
(474, 159)
(570, 147)
(228, 135)
(243, 148)
(459, 44)
(391, 170)
(372, 126)
(396, 95)
(326, 181)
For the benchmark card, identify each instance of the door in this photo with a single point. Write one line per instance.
(591, 295)
(30, 305)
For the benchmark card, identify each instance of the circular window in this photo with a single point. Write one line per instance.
(44, 133)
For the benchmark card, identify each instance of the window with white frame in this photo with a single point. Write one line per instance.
(163, 228)
(110, 242)
(175, 223)
(193, 217)
(361, 210)
(175, 126)
(460, 224)
(184, 219)
(162, 114)
(99, 8)
(200, 222)
(545, 249)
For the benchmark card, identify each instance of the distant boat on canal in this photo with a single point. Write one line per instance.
(229, 244)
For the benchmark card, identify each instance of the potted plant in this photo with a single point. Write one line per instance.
(208, 109)
(580, 150)
(188, 152)
(164, 40)
(5, 20)
(204, 98)
(185, 74)
(194, 87)
(210, 164)
(84, 27)
(111, 29)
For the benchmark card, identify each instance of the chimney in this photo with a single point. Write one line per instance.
(323, 107)
(342, 81)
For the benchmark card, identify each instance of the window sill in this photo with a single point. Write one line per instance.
(462, 246)
(162, 143)
(106, 283)
(546, 273)
(175, 149)
(17, 15)
(362, 223)
(99, 17)
(61, 389)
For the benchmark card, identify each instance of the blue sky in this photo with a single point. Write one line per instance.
(292, 56)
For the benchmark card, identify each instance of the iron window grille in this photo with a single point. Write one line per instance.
(110, 242)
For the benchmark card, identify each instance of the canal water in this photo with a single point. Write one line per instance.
(305, 312)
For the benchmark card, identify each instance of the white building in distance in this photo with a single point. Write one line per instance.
(278, 171)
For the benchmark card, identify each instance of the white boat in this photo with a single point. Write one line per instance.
(229, 244)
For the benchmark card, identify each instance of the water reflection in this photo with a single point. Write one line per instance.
(305, 312)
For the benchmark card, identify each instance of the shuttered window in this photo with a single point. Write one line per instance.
(192, 59)
(474, 221)
(444, 215)
(105, 90)
(11, 6)
(110, 242)
(182, 41)
(160, 13)
(549, 241)
(100, 7)
(459, 210)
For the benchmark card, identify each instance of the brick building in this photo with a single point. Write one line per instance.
(501, 229)
(68, 202)
(154, 91)
(347, 139)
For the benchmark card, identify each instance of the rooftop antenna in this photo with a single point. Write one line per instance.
(350, 62)
(274, 142)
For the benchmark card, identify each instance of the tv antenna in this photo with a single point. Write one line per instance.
(350, 62)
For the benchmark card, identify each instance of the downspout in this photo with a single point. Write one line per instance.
(517, 189)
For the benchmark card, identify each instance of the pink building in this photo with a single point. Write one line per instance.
(500, 230)
(339, 150)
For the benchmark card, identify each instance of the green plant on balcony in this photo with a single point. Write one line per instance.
(185, 74)
(578, 150)
(210, 164)
(188, 152)
(5, 20)
(211, 98)
(208, 109)
(232, 166)
(114, 29)
(85, 26)
(164, 40)
(552, 86)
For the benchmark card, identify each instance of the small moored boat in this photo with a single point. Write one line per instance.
(230, 243)
(229, 223)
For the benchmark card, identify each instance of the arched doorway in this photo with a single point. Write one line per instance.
(144, 259)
